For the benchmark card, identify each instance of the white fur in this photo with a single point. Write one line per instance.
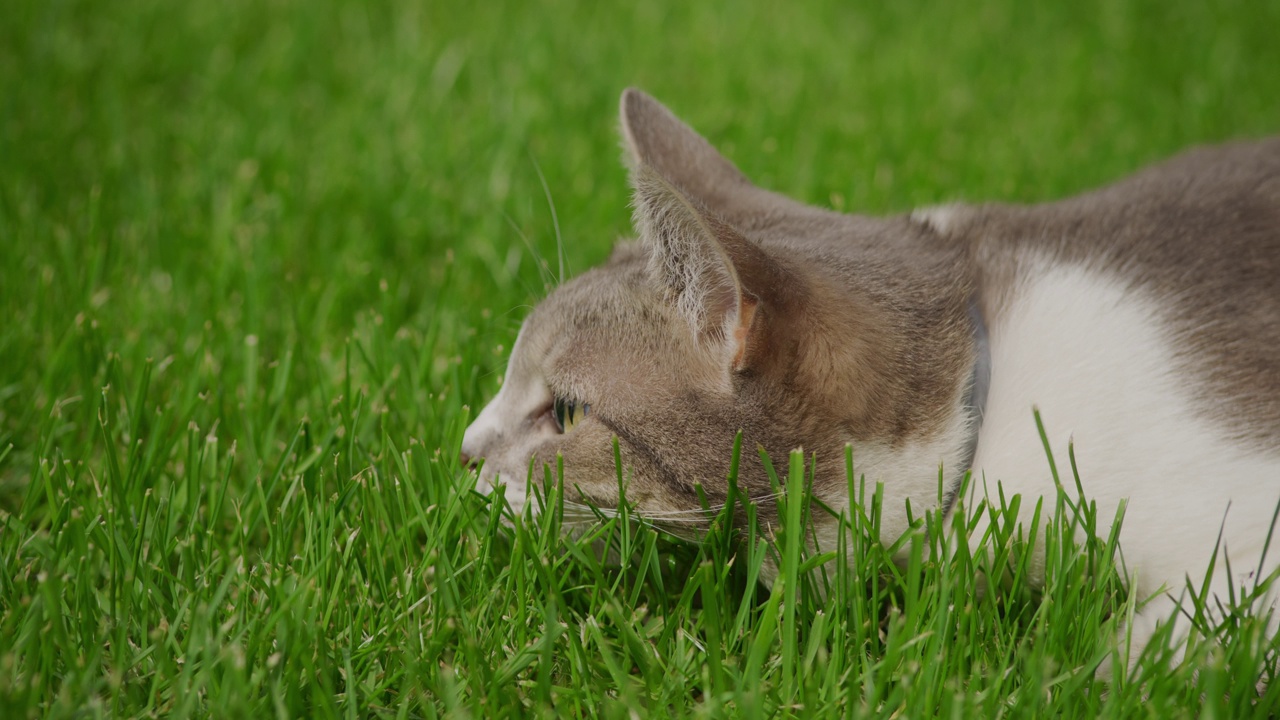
(508, 415)
(1097, 361)
(939, 218)
(909, 472)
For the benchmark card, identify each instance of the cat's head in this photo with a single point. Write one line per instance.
(689, 335)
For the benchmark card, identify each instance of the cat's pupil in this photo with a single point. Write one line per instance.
(568, 413)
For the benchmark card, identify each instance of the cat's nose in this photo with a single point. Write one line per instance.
(475, 440)
(472, 449)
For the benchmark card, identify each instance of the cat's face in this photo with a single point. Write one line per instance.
(695, 333)
(605, 355)
(610, 354)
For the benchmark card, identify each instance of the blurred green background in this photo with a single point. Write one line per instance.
(263, 166)
(260, 216)
(168, 169)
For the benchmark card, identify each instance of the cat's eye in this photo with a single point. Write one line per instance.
(568, 413)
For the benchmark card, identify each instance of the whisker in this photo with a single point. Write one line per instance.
(544, 270)
(555, 220)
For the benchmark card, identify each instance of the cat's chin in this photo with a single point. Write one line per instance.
(516, 495)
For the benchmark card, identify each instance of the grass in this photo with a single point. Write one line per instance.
(263, 259)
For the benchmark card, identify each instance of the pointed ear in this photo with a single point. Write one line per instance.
(656, 138)
(691, 261)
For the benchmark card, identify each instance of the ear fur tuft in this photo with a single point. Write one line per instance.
(685, 196)
(690, 265)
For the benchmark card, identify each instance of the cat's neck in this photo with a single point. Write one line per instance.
(975, 402)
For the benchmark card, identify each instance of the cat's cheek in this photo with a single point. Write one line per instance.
(589, 472)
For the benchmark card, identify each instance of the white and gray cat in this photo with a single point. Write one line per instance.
(1142, 319)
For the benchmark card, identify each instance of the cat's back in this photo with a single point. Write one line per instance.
(1209, 217)
(1211, 212)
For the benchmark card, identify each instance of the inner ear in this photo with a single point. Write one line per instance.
(742, 329)
(691, 263)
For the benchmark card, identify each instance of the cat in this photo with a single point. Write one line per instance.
(1142, 319)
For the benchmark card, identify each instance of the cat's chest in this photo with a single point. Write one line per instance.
(1093, 357)
(1099, 362)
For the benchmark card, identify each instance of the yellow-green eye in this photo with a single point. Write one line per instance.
(568, 413)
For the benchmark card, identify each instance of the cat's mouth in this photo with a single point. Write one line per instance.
(580, 504)
(490, 483)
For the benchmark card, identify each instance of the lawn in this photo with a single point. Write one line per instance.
(264, 260)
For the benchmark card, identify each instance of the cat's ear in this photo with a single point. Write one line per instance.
(656, 138)
(691, 259)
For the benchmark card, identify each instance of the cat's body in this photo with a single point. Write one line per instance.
(1143, 320)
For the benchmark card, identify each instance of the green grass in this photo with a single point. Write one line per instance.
(261, 259)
